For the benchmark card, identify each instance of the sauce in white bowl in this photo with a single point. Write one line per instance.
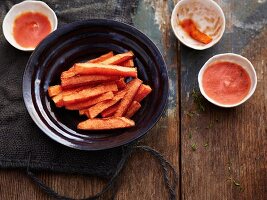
(207, 18)
(28, 23)
(227, 80)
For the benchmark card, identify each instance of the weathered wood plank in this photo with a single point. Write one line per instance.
(14, 184)
(142, 177)
(230, 143)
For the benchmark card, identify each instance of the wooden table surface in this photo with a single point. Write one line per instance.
(230, 159)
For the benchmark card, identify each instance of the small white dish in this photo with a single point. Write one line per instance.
(207, 15)
(26, 6)
(233, 58)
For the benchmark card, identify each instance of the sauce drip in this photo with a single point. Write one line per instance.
(190, 27)
(30, 29)
(226, 82)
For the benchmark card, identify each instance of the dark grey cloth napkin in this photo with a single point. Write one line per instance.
(20, 139)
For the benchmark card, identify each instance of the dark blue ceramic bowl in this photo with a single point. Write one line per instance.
(81, 41)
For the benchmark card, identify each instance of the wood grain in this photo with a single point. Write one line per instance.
(14, 184)
(230, 158)
(142, 177)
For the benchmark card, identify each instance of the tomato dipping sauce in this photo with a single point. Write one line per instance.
(190, 27)
(30, 28)
(226, 82)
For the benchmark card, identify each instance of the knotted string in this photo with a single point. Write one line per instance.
(167, 169)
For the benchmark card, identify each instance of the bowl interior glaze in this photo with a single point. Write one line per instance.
(81, 41)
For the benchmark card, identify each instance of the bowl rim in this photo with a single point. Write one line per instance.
(212, 60)
(21, 4)
(26, 87)
(196, 47)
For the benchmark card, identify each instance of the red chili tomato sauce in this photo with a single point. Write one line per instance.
(30, 28)
(226, 82)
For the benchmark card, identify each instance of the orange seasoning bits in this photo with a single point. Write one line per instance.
(30, 28)
(190, 27)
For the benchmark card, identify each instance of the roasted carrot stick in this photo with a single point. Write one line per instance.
(58, 100)
(110, 111)
(142, 92)
(70, 73)
(98, 108)
(102, 58)
(132, 88)
(67, 74)
(118, 58)
(83, 112)
(121, 83)
(89, 93)
(133, 108)
(76, 81)
(90, 102)
(190, 27)
(127, 63)
(106, 123)
(54, 90)
(101, 69)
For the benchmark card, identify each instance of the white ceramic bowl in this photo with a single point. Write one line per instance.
(208, 16)
(26, 6)
(234, 58)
